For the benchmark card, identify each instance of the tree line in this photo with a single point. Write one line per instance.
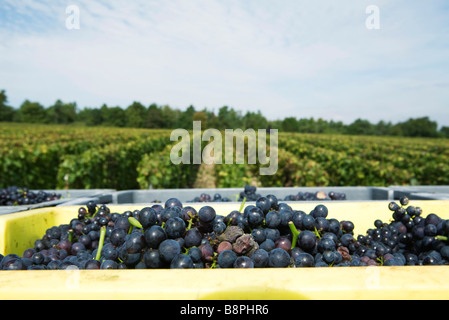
(156, 116)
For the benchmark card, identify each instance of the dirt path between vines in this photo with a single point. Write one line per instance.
(205, 177)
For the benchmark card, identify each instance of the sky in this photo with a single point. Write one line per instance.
(336, 60)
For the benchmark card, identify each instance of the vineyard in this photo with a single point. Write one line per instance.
(57, 157)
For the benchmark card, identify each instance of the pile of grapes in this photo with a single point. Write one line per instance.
(313, 196)
(268, 234)
(13, 195)
(249, 194)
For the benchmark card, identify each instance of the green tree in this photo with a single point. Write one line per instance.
(113, 116)
(61, 113)
(201, 116)
(335, 127)
(275, 124)
(31, 112)
(307, 125)
(360, 127)
(90, 116)
(212, 121)
(185, 118)
(169, 117)
(254, 120)
(154, 118)
(228, 118)
(6, 112)
(290, 124)
(136, 114)
(444, 131)
(321, 125)
(383, 128)
(419, 127)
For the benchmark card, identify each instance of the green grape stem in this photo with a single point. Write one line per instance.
(101, 242)
(317, 233)
(189, 226)
(295, 233)
(243, 204)
(134, 222)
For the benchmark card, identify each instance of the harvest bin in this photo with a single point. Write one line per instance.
(20, 230)
(187, 195)
(421, 192)
(72, 196)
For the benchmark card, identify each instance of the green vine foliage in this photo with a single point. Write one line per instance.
(157, 171)
(57, 156)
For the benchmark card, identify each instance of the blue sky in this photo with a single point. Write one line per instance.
(285, 58)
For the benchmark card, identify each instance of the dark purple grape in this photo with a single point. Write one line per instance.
(188, 213)
(267, 245)
(109, 252)
(181, 261)
(168, 249)
(255, 217)
(347, 226)
(152, 259)
(243, 262)
(192, 238)
(273, 219)
(404, 200)
(304, 260)
(154, 236)
(117, 237)
(283, 243)
(28, 253)
(258, 235)
(264, 204)
(273, 201)
(308, 222)
(109, 264)
(260, 258)
(147, 217)
(325, 243)
(226, 259)
(173, 202)
(307, 240)
(85, 240)
(175, 228)
(92, 264)
(219, 227)
(231, 218)
(195, 254)
(77, 247)
(320, 211)
(278, 258)
(122, 223)
(207, 252)
(135, 243)
(207, 214)
(38, 258)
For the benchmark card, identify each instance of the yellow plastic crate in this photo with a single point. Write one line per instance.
(19, 231)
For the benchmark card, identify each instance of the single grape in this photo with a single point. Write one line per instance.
(226, 259)
(243, 262)
(278, 258)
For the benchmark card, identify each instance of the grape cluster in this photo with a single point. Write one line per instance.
(250, 194)
(408, 239)
(23, 196)
(313, 196)
(267, 234)
(204, 197)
